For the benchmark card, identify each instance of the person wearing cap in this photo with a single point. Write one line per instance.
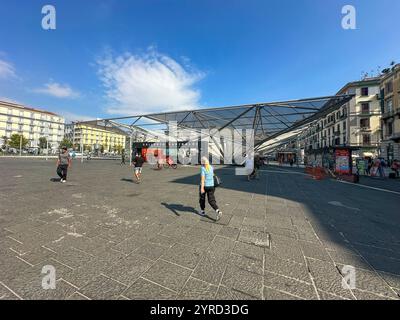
(63, 164)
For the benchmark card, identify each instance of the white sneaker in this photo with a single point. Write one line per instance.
(202, 212)
(219, 215)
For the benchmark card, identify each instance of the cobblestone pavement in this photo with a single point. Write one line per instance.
(284, 236)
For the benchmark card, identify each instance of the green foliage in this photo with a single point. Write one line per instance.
(15, 141)
(42, 143)
(66, 143)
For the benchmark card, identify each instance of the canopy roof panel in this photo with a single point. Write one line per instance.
(269, 120)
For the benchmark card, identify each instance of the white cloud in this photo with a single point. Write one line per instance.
(7, 70)
(57, 90)
(147, 83)
(72, 117)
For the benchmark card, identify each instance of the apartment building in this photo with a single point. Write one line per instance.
(32, 123)
(390, 104)
(93, 137)
(355, 124)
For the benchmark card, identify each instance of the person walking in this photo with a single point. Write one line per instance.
(249, 167)
(368, 166)
(381, 168)
(207, 188)
(395, 167)
(138, 163)
(123, 158)
(63, 164)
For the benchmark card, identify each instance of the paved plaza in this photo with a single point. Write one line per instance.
(284, 236)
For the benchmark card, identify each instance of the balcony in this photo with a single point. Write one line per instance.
(391, 113)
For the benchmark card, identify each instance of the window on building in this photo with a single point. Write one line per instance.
(364, 123)
(389, 127)
(344, 125)
(389, 105)
(389, 87)
(366, 139)
(364, 91)
(365, 107)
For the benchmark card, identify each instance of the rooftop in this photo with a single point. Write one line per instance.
(19, 106)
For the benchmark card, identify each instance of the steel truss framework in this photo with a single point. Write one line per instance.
(268, 120)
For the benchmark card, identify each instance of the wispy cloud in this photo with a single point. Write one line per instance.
(147, 83)
(70, 116)
(57, 90)
(7, 70)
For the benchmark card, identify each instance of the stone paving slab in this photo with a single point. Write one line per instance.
(168, 275)
(279, 236)
(103, 288)
(290, 286)
(144, 289)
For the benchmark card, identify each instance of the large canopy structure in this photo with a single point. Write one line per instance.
(268, 120)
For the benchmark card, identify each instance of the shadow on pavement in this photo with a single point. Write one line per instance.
(346, 223)
(175, 208)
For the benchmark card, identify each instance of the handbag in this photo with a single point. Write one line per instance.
(217, 181)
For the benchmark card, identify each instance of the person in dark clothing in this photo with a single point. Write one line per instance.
(256, 167)
(368, 166)
(123, 158)
(138, 163)
(63, 164)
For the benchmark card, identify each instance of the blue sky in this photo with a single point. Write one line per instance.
(121, 57)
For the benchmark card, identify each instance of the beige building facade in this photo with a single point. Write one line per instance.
(32, 123)
(390, 104)
(355, 124)
(91, 138)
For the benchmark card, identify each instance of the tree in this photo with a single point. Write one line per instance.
(15, 141)
(119, 149)
(66, 143)
(5, 142)
(42, 143)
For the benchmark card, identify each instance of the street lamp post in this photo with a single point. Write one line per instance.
(130, 149)
(20, 144)
(47, 148)
(82, 147)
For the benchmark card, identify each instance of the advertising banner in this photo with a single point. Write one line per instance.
(342, 161)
